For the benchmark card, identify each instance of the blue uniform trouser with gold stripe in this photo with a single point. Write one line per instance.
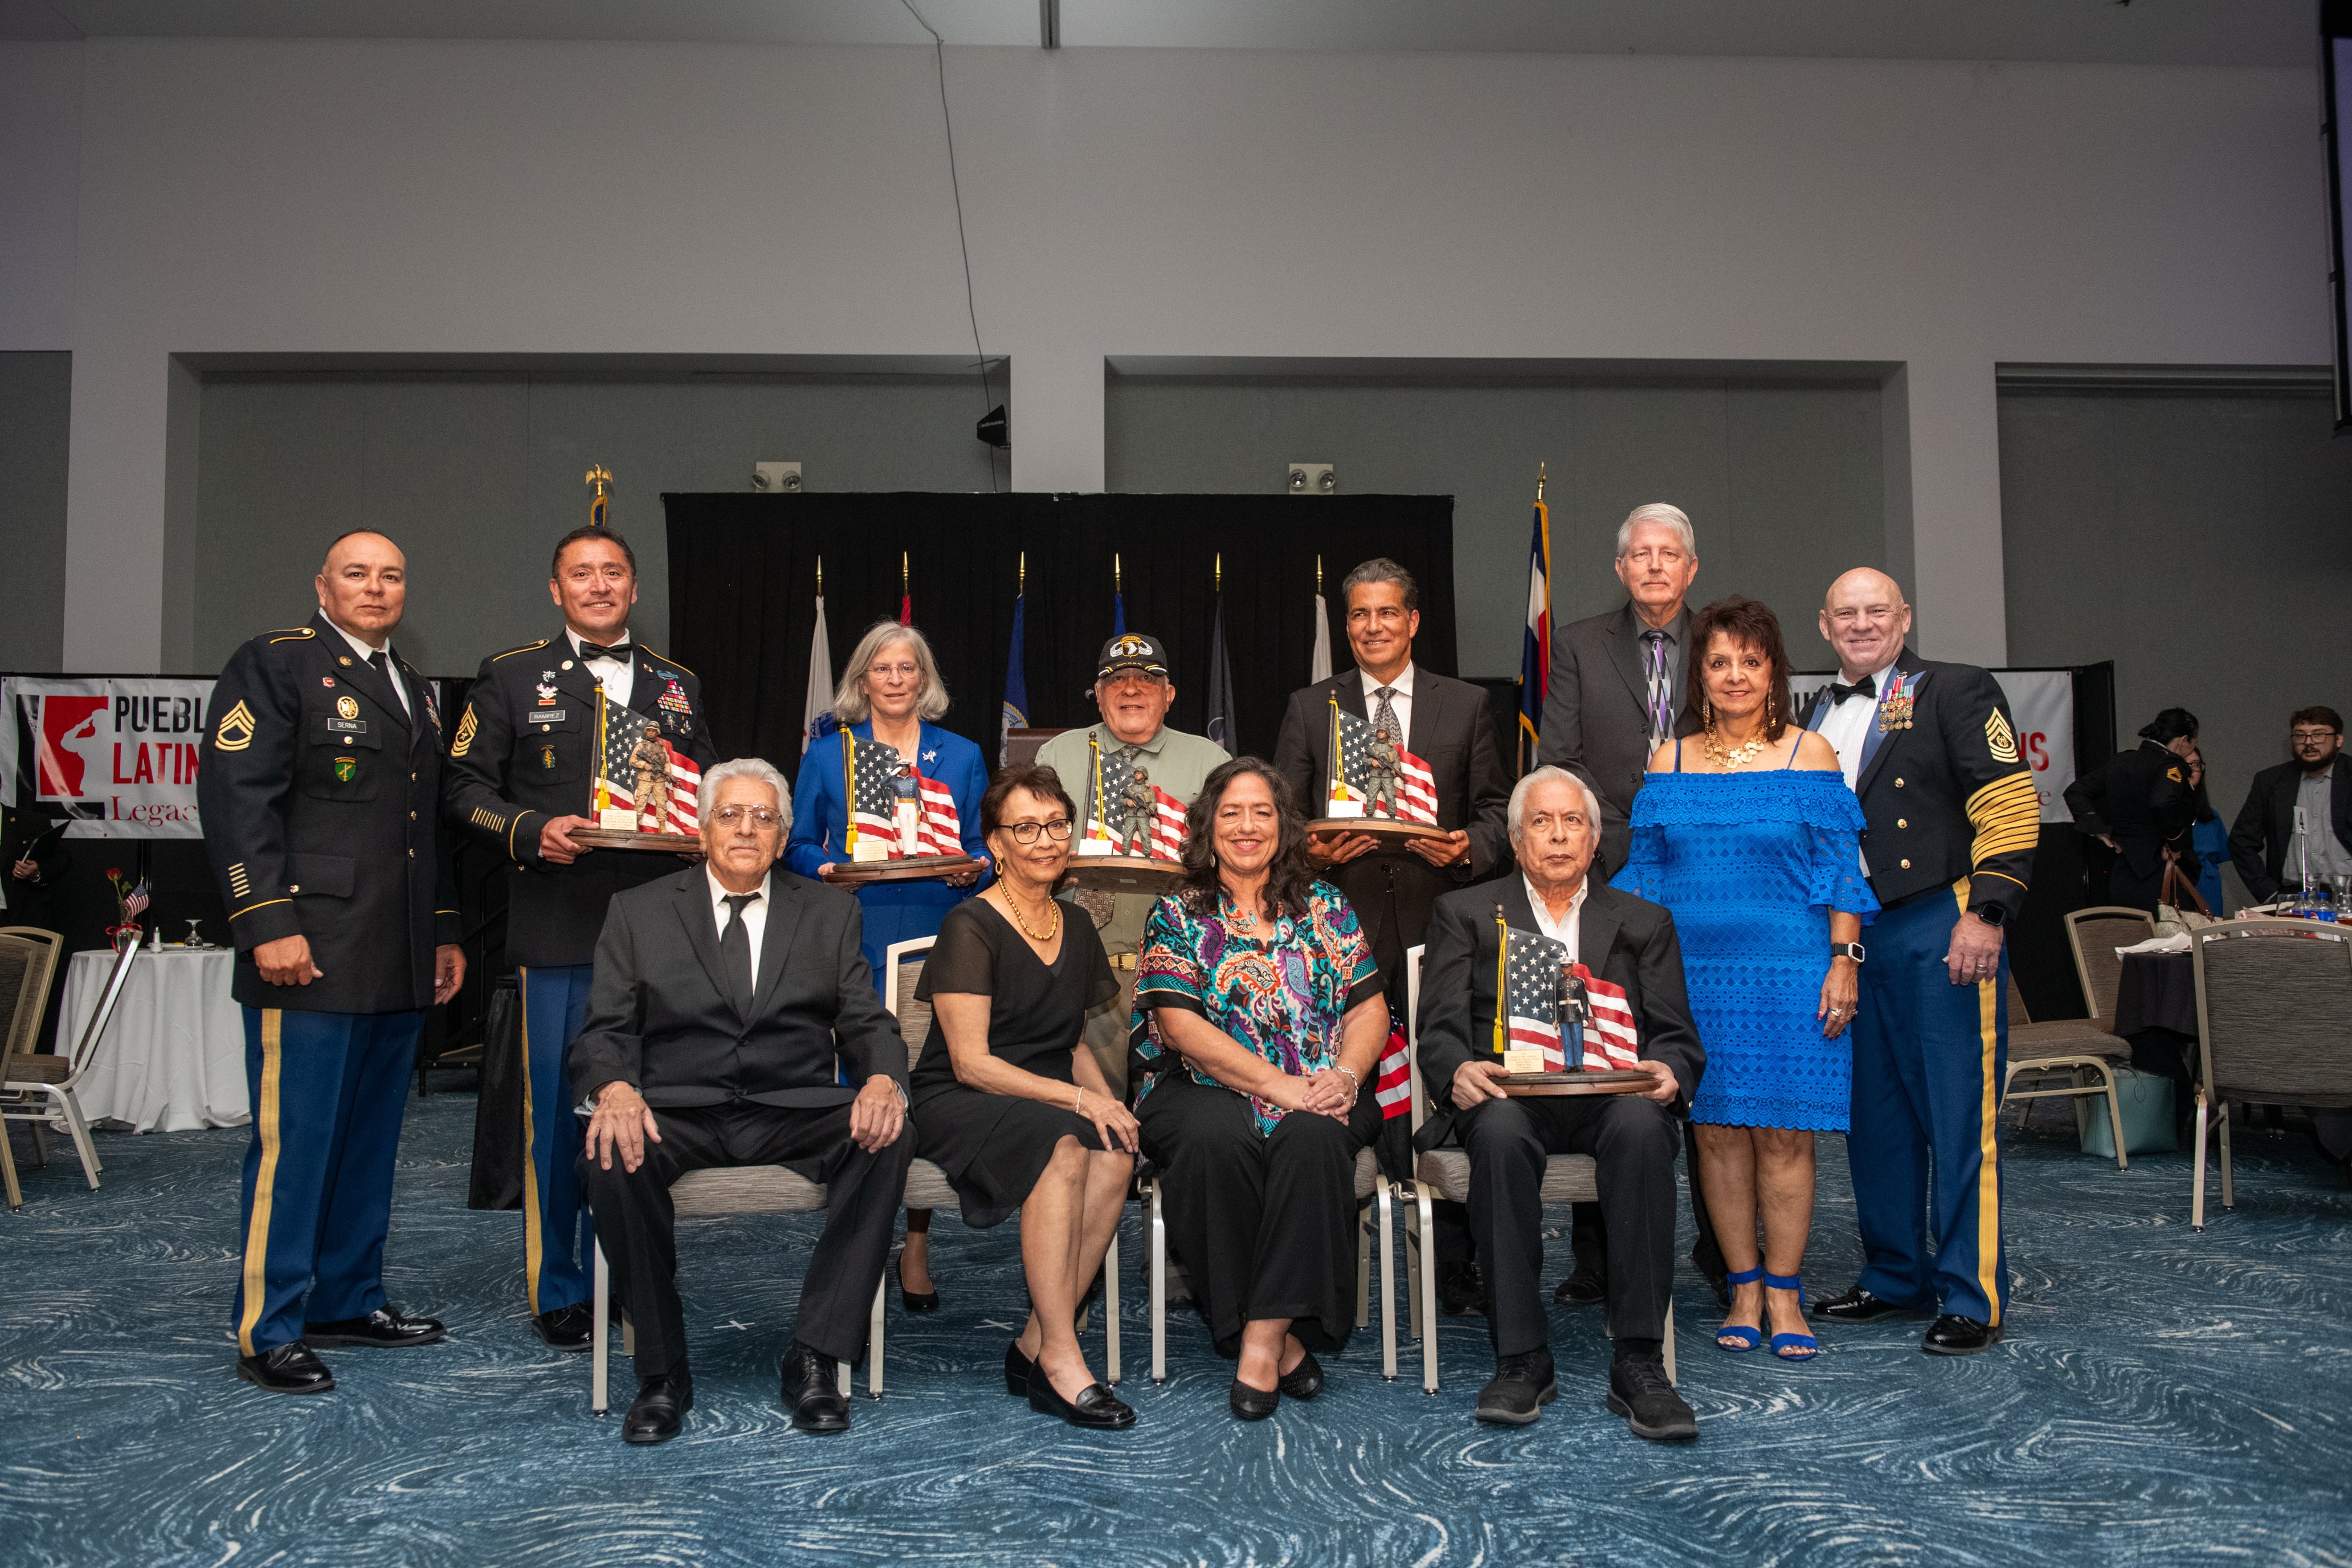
(329, 1091)
(1929, 1057)
(559, 1237)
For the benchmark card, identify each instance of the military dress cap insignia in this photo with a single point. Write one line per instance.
(347, 707)
(466, 728)
(236, 730)
(2000, 739)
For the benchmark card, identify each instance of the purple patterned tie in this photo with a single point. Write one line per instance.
(1662, 721)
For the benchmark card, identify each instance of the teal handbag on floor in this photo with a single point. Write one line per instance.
(2145, 1101)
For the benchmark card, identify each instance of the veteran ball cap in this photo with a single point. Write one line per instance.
(1132, 650)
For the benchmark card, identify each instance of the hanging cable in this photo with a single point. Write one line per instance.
(939, 61)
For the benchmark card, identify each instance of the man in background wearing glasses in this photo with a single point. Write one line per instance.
(2264, 844)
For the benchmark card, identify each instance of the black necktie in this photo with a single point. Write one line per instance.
(1865, 687)
(619, 651)
(735, 953)
(381, 662)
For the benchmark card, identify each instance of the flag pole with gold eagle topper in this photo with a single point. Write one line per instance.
(1535, 648)
(600, 505)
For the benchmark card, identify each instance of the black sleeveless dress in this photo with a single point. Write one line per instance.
(993, 1147)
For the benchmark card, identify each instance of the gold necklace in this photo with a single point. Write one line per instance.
(1053, 912)
(1736, 756)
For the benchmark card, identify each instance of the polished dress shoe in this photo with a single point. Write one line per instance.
(1583, 1288)
(1859, 1306)
(1522, 1385)
(1253, 1404)
(1640, 1391)
(659, 1408)
(1304, 1381)
(1459, 1292)
(290, 1368)
(1952, 1334)
(572, 1328)
(914, 1300)
(385, 1328)
(813, 1391)
(1095, 1408)
(1017, 1368)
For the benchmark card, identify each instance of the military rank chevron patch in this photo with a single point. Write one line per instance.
(2000, 739)
(236, 730)
(465, 727)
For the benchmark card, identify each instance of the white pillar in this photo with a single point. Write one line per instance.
(114, 507)
(1057, 418)
(1958, 591)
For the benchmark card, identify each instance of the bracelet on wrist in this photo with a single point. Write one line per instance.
(1351, 1077)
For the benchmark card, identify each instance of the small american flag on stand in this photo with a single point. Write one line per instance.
(1416, 795)
(617, 775)
(874, 808)
(1168, 822)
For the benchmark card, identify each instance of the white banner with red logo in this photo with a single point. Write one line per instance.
(2042, 706)
(116, 754)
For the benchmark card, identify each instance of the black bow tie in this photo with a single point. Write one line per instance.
(619, 651)
(1865, 687)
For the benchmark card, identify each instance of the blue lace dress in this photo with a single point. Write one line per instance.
(1750, 864)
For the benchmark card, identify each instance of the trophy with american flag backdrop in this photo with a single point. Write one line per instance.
(1133, 836)
(644, 790)
(901, 825)
(1375, 786)
(1558, 1027)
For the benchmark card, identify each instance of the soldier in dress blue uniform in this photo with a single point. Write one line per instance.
(321, 775)
(522, 774)
(1953, 820)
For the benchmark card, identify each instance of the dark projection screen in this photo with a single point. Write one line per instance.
(2335, 79)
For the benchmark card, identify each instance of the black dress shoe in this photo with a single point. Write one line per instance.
(1253, 1404)
(290, 1368)
(659, 1408)
(1459, 1292)
(1522, 1385)
(385, 1328)
(914, 1300)
(1640, 1391)
(1859, 1306)
(572, 1328)
(1304, 1381)
(1017, 1368)
(813, 1391)
(1954, 1335)
(1095, 1408)
(1583, 1288)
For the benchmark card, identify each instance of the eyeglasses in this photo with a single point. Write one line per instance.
(884, 671)
(764, 818)
(2312, 737)
(1059, 830)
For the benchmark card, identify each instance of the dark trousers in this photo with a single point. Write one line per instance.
(1633, 1141)
(1588, 1231)
(558, 1238)
(1264, 1225)
(329, 1089)
(638, 1227)
(1929, 1057)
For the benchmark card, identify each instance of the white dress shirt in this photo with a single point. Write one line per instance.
(755, 916)
(618, 677)
(1563, 931)
(391, 667)
(1848, 724)
(1399, 700)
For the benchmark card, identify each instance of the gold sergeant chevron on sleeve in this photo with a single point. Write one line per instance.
(236, 730)
(2007, 815)
(466, 728)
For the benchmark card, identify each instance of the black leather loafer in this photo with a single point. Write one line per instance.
(813, 1391)
(1304, 1381)
(572, 1328)
(1459, 1292)
(1641, 1392)
(1253, 1404)
(290, 1368)
(1859, 1306)
(914, 1301)
(1522, 1385)
(1017, 1368)
(1583, 1288)
(1096, 1408)
(387, 1328)
(659, 1408)
(1954, 1335)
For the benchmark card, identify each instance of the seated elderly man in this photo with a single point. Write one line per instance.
(722, 997)
(1628, 943)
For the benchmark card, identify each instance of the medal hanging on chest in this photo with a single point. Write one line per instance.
(1895, 713)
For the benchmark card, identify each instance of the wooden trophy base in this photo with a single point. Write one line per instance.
(913, 868)
(1545, 1085)
(617, 838)
(1122, 873)
(1377, 826)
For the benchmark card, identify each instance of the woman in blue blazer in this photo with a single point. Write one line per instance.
(889, 696)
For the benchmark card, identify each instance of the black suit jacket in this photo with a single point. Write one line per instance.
(1626, 941)
(1596, 720)
(2265, 824)
(659, 1016)
(1391, 889)
(524, 751)
(31, 903)
(2142, 800)
(317, 791)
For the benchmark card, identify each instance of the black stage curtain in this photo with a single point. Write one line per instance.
(742, 575)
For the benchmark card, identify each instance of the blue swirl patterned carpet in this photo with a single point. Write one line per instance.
(2163, 1397)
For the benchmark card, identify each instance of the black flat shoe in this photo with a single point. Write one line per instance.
(1253, 1404)
(1095, 1408)
(1459, 1292)
(659, 1408)
(1641, 1392)
(572, 1328)
(1522, 1385)
(384, 1328)
(1954, 1335)
(813, 1391)
(290, 1368)
(1583, 1288)
(1859, 1306)
(914, 1300)
(1017, 1368)
(1304, 1381)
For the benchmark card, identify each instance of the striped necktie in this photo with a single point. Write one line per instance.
(1384, 716)
(1661, 703)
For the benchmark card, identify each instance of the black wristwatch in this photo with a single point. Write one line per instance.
(1991, 914)
(1847, 949)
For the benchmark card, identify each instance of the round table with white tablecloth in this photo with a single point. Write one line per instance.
(174, 1056)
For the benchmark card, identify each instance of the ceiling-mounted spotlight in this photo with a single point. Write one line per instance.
(993, 429)
(1313, 479)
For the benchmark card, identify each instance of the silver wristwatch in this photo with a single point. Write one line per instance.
(1847, 949)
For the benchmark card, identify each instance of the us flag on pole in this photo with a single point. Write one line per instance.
(1531, 970)
(1416, 786)
(1392, 1085)
(617, 775)
(938, 829)
(1105, 815)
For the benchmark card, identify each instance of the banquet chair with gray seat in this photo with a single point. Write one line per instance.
(37, 1087)
(2076, 1047)
(2092, 935)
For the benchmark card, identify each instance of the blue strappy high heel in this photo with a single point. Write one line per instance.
(1738, 1337)
(1791, 1347)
